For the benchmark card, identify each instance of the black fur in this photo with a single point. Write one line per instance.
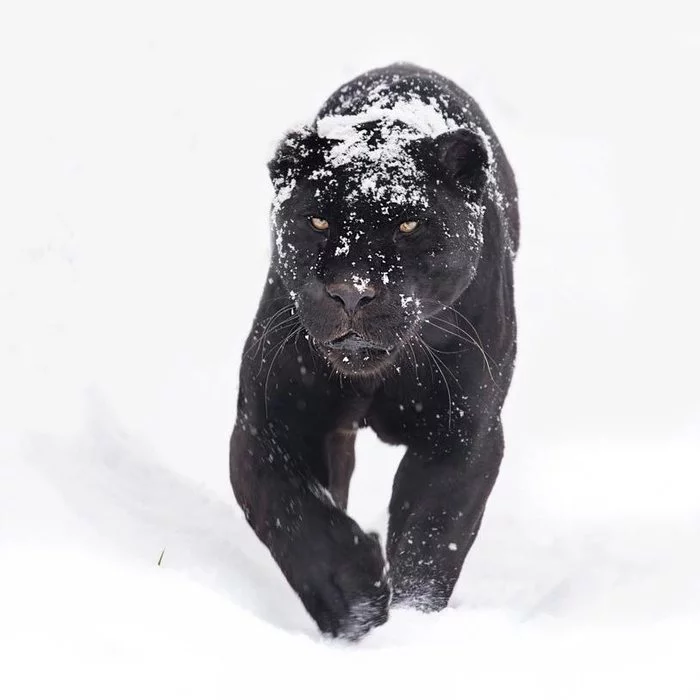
(362, 325)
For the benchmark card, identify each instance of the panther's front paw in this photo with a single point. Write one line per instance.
(343, 581)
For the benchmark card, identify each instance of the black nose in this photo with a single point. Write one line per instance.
(351, 295)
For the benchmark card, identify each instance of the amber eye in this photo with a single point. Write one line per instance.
(408, 226)
(318, 224)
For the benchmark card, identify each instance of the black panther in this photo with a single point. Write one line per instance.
(388, 304)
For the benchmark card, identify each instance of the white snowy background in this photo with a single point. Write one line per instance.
(133, 246)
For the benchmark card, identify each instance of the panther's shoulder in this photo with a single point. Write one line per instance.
(403, 82)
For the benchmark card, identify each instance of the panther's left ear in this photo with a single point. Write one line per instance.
(284, 159)
(463, 155)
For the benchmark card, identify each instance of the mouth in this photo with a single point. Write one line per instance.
(353, 342)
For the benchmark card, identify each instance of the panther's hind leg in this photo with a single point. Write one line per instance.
(340, 459)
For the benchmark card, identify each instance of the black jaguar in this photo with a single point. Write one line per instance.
(388, 304)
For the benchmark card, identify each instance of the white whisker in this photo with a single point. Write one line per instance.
(279, 349)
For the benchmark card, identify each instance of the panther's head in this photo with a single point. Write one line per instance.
(377, 224)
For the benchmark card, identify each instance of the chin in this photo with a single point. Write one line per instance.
(361, 362)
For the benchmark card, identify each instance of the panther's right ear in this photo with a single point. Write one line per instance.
(464, 156)
(286, 163)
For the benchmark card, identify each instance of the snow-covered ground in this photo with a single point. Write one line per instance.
(133, 243)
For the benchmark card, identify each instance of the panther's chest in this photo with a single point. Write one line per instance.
(412, 411)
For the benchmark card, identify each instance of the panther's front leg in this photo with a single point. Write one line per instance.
(337, 570)
(437, 504)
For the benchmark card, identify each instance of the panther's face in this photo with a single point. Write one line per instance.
(376, 226)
